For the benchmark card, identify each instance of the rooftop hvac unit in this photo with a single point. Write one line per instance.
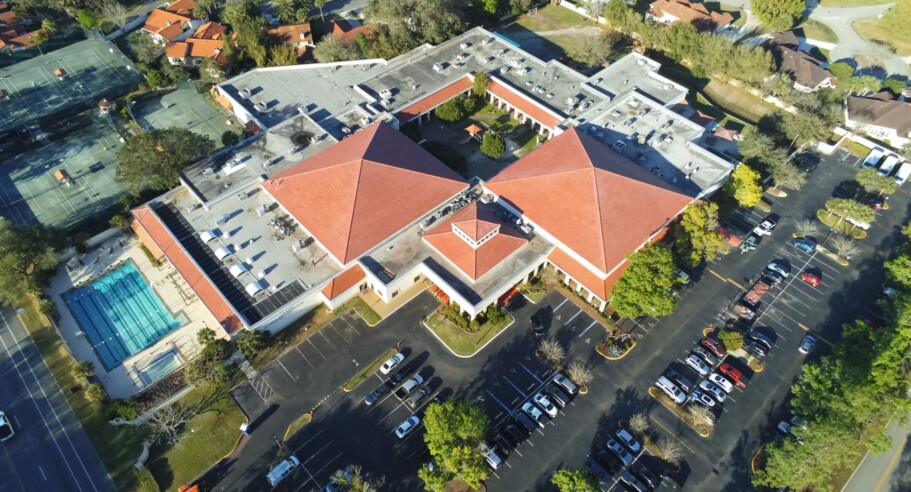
(208, 172)
(207, 236)
(297, 245)
(386, 93)
(261, 210)
(641, 62)
(438, 67)
(486, 41)
(523, 70)
(222, 219)
(223, 252)
(238, 269)
(464, 45)
(241, 196)
(254, 288)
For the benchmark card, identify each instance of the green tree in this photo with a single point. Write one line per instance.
(492, 7)
(95, 393)
(144, 47)
(83, 370)
(811, 465)
(744, 186)
(229, 138)
(575, 480)
(779, 15)
(47, 308)
(49, 26)
(282, 55)
(695, 237)
(841, 70)
(646, 285)
(755, 144)
(451, 110)
(332, 49)
(873, 182)
(590, 50)
(205, 336)
(353, 479)
(153, 77)
(894, 85)
(845, 208)
(899, 270)
(174, 73)
(480, 84)
(786, 174)
(285, 10)
(519, 6)
(40, 37)
(210, 71)
(454, 431)
(320, 4)
(493, 145)
(804, 128)
(860, 84)
(87, 19)
(155, 159)
(249, 342)
(27, 260)
(731, 339)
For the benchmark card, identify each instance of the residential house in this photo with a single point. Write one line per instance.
(14, 31)
(207, 42)
(173, 22)
(300, 36)
(671, 11)
(345, 30)
(807, 72)
(880, 116)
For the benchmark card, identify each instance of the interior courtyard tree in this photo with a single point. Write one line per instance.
(454, 431)
(647, 285)
(479, 84)
(492, 145)
(695, 237)
(154, 159)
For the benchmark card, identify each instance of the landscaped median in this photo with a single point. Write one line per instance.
(616, 347)
(701, 429)
(363, 310)
(356, 380)
(840, 225)
(297, 425)
(468, 340)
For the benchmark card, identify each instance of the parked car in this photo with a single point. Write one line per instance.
(545, 404)
(609, 460)
(378, 393)
(627, 438)
(503, 445)
(787, 429)
(807, 162)
(755, 348)
(714, 346)
(711, 388)
(514, 433)
(565, 383)
(281, 471)
(767, 225)
(523, 421)
(705, 355)
(415, 399)
(772, 277)
(682, 382)
(761, 338)
(410, 386)
(393, 361)
(806, 345)
(810, 278)
(733, 374)
(721, 381)
(407, 426)
(492, 458)
(620, 451)
(557, 395)
(671, 390)
(631, 483)
(874, 202)
(645, 475)
(805, 244)
(400, 376)
(534, 412)
(6, 428)
(781, 267)
(698, 364)
(702, 398)
(539, 319)
(598, 470)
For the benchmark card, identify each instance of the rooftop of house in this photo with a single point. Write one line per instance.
(881, 110)
(803, 68)
(693, 12)
(292, 33)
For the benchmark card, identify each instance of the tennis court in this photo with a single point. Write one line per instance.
(32, 190)
(183, 108)
(79, 74)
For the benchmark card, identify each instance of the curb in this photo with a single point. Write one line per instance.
(287, 435)
(697, 431)
(755, 457)
(624, 354)
(476, 351)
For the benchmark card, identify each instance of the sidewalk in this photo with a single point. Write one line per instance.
(890, 471)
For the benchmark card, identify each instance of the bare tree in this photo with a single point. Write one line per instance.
(844, 246)
(639, 423)
(701, 414)
(167, 424)
(552, 351)
(115, 12)
(580, 373)
(355, 480)
(594, 8)
(671, 450)
(806, 228)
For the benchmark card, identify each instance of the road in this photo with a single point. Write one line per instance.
(850, 44)
(50, 450)
(888, 471)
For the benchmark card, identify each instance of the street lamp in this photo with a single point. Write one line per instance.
(279, 443)
(355, 366)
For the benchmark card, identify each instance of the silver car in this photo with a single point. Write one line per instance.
(702, 398)
(698, 364)
(712, 389)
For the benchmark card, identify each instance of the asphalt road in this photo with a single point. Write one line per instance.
(889, 471)
(50, 451)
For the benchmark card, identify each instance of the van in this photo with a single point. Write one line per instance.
(888, 165)
(903, 172)
(525, 421)
(280, 471)
(671, 389)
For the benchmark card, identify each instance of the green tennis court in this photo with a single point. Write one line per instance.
(183, 108)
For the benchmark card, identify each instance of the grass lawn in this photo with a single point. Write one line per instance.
(528, 31)
(359, 377)
(852, 3)
(296, 333)
(871, 29)
(461, 342)
(841, 226)
(366, 312)
(298, 424)
(208, 438)
(118, 447)
(856, 148)
(738, 102)
(817, 30)
(551, 18)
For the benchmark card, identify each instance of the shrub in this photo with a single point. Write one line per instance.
(48, 308)
(95, 393)
(126, 409)
(451, 110)
(81, 240)
(83, 370)
(493, 145)
(146, 481)
(732, 340)
(249, 342)
(229, 138)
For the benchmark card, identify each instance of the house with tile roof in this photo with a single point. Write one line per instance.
(880, 116)
(345, 30)
(806, 71)
(174, 21)
(207, 42)
(300, 36)
(15, 33)
(696, 13)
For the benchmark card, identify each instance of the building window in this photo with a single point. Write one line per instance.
(417, 278)
(395, 294)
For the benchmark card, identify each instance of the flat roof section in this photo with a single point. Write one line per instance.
(637, 73)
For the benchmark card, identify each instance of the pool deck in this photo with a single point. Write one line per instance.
(125, 380)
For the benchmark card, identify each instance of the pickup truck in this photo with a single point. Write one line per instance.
(755, 294)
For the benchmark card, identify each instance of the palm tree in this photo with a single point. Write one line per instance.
(638, 423)
(285, 10)
(355, 480)
(49, 26)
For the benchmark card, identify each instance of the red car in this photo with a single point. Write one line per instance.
(810, 278)
(714, 346)
(733, 374)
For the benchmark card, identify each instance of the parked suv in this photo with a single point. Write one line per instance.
(671, 389)
(524, 421)
(417, 397)
(564, 382)
(556, 394)
(410, 386)
(682, 382)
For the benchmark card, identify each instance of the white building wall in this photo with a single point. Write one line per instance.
(291, 312)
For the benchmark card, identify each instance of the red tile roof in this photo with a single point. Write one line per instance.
(727, 134)
(211, 30)
(343, 30)
(596, 202)
(292, 34)
(694, 13)
(476, 222)
(161, 239)
(182, 7)
(177, 49)
(524, 105)
(359, 192)
(434, 99)
(168, 22)
(344, 281)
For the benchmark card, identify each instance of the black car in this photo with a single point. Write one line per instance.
(609, 460)
(684, 383)
(540, 319)
(516, 434)
(670, 479)
(502, 444)
(557, 395)
(645, 475)
(400, 376)
(524, 421)
(378, 392)
(807, 162)
(756, 348)
(603, 475)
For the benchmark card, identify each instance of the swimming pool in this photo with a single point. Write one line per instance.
(120, 314)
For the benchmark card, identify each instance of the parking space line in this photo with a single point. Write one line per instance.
(318, 451)
(725, 279)
(339, 334)
(308, 441)
(286, 370)
(561, 304)
(516, 387)
(339, 455)
(328, 341)
(304, 356)
(345, 319)
(587, 328)
(498, 401)
(570, 320)
(532, 374)
(317, 350)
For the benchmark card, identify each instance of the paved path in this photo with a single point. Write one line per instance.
(887, 472)
(850, 44)
(50, 451)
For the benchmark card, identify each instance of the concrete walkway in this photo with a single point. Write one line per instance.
(887, 472)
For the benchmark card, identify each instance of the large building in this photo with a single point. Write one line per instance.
(329, 199)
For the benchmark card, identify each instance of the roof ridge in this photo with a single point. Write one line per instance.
(351, 215)
(601, 246)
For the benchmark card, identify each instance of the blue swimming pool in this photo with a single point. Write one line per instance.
(120, 314)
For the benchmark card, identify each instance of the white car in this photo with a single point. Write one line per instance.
(534, 412)
(405, 428)
(721, 381)
(710, 388)
(545, 404)
(698, 364)
(393, 361)
(6, 428)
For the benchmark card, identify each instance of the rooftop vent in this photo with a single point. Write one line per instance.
(438, 67)
(465, 45)
(486, 41)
